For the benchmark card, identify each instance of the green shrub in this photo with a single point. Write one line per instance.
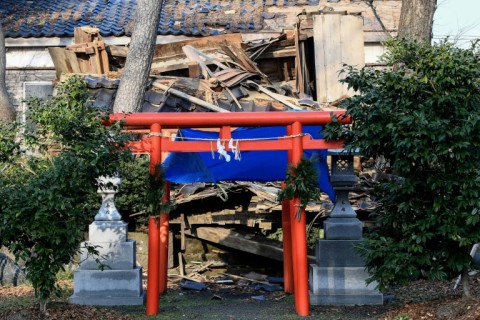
(48, 199)
(423, 117)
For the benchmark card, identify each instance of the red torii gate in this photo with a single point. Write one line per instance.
(294, 231)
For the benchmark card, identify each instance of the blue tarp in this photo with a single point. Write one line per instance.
(262, 166)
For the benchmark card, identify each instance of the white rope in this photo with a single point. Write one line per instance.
(183, 138)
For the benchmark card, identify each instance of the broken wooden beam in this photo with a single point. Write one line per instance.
(241, 241)
(276, 96)
(190, 98)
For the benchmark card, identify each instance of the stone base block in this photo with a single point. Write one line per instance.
(108, 231)
(351, 297)
(328, 279)
(108, 300)
(108, 287)
(116, 255)
(338, 253)
(343, 229)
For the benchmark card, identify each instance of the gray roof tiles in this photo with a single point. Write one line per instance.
(47, 18)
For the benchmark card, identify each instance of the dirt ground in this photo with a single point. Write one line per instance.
(241, 300)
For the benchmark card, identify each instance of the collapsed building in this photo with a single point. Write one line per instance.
(210, 56)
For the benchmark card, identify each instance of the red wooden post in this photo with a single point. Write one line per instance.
(153, 231)
(164, 229)
(152, 277)
(288, 283)
(299, 236)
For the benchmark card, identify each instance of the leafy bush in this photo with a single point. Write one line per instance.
(9, 146)
(300, 181)
(134, 173)
(48, 198)
(422, 116)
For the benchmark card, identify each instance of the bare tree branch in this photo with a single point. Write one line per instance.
(375, 13)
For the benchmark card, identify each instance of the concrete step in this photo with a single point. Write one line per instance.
(108, 287)
(327, 279)
(346, 297)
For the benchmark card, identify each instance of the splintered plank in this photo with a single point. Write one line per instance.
(175, 48)
(64, 61)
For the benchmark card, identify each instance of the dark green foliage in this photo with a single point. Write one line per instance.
(155, 193)
(301, 181)
(47, 199)
(140, 194)
(9, 147)
(134, 172)
(423, 117)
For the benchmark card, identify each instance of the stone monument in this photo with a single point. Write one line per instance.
(338, 276)
(120, 282)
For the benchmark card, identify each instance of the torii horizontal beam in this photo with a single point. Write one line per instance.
(169, 120)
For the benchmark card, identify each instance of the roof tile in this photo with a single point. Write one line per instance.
(46, 18)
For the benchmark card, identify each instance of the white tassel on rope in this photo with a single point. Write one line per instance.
(235, 149)
(221, 150)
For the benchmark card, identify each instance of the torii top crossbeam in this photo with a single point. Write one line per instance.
(294, 230)
(169, 120)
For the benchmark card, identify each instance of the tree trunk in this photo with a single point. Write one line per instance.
(467, 293)
(7, 111)
(43, 306)
(416, 19)
(130, 93)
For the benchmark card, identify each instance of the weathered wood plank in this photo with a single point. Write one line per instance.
(278, 53)
(352, 45)
(192, 99)
(320, 56)
(338, 39)
(333, 55)
(175, 48)
(64, 61)
(117, 51)
(239, 241)
(242, 241)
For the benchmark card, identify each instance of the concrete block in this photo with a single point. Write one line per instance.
(329, 279)
(116, 255)
(108, 300)
(108, 287)
(338, 253)
(343, 229)
(349, 298)
(108, 231)
(342, 286)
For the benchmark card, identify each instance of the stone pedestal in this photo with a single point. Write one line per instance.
(120, 281)
(338, 276)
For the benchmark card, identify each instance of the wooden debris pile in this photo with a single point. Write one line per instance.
(217, 73)
(87, 55)
(197, 279)
(227, 73)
